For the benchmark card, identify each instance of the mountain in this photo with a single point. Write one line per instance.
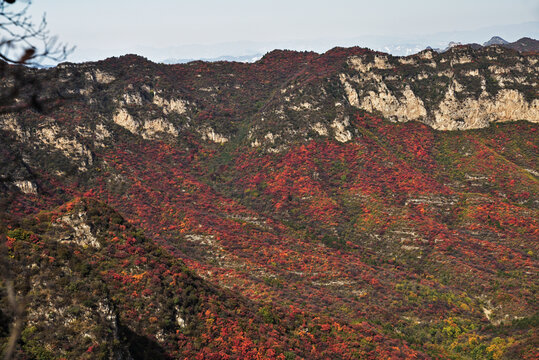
(243, 58)
(496, 40)
(401, 45)
(521, 45)
(87, 271)
(349, 204)
(524, 45)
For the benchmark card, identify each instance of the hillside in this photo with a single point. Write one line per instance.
(524, 45)
(345, 205)
(108, 292)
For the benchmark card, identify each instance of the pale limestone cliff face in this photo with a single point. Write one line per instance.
(178, 106)
(408, 107)
(153, 128)
(351, 93)
(302, 106)
(125, 120)
(320, 129)
(179, 320)
(168, 106)
(359, 64)
(10, 123)
(426, 54)
(255, 143)
(100, 76)
(26, 186)
(103, 77)
(132, 99)
(270, 137)
(451, 113)
(83, 235)
(149, 129)
(369, 86)
(414, 107)
(210, 134)
(508, 105)
(341, 133)
(101, 134)
(50, 134)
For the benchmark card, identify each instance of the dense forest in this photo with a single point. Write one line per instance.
(305, 206)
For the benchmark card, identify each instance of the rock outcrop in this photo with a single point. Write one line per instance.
(452, 91)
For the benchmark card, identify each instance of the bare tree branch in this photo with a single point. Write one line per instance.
(23, 43)
(18, 34)
(17, 307)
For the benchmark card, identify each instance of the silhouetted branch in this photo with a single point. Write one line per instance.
(24, 43)
(15, 303)
(17, 308)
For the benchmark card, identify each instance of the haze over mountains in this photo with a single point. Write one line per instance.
(523, 44)
(247, 50)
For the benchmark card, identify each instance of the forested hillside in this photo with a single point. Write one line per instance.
(341, 205)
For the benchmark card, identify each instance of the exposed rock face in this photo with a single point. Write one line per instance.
(210, 134)
(408, 107)
(125, 120)
(363, 65)
(149, 129)
(179, 320)
(320, 129)
(10, 123)
(446, 91)
(26, 186)
(82, 234)
(463, 88)
(57, 310)
(508, 105)
(351, 94)
(101, 134)
(341, 133)
(152, 128)
(132, 99)
(100, 76)
(173, 105)
(50, 134)
(318, 95)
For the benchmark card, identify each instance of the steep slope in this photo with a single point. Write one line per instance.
(105, 291)
(341, 233)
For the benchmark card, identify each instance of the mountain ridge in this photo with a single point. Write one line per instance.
(311, 192)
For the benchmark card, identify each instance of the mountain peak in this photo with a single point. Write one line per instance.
(496, 40)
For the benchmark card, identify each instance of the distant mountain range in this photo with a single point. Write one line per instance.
(525, 44)
(244, 58)
(244, 51)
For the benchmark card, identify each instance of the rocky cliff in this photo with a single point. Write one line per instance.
(284, 95)
(462, 89)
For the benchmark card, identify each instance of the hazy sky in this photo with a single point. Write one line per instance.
(124, 24)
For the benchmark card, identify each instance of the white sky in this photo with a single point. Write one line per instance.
(125, 24)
